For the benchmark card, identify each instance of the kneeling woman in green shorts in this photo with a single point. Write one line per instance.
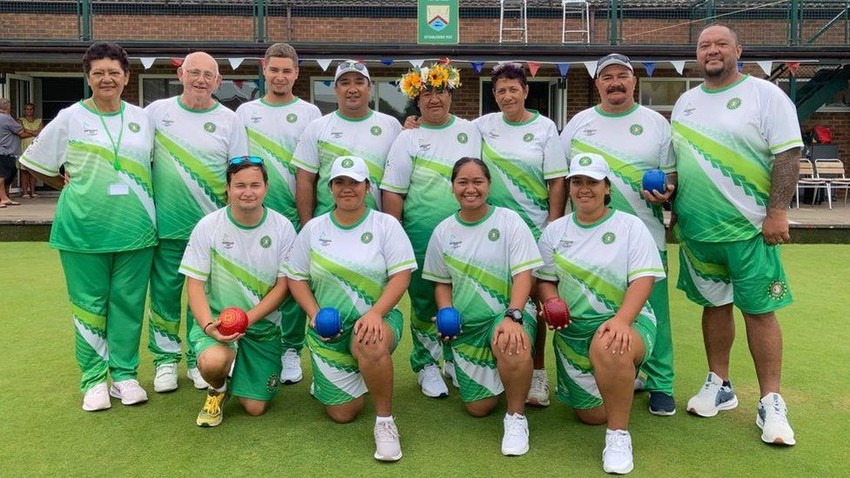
(603, 264)
(481, 259)
(357, 261)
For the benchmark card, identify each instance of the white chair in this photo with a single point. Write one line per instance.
(831, 170)
(808, 179)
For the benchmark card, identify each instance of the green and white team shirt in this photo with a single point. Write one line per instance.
(240, 264)
(725, 141)
(191, 152)
(479, 260)
(521, 157)
(632, 143)
(273, 132)
(108, 205)
(594, 264)
(419, 166)
(335, 135)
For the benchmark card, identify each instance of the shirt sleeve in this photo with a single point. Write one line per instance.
(524, 254)
(287, 239)
(666, 157)
(297, 262)
(196, 261)
(554, 158)
(238, 141)
(644, 259)
(399, 165)
(306, 155)
(47, 153)
(434, 269)
(567, 138)
(398, 252)
(779, 122)
(546, 249)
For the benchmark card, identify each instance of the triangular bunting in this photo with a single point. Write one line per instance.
(324, 64)
(445, 61)
(147, 61)
(649, 66)
(679, 65)
(533, 66)
(766, 66)
(563, 69)
(387, 61)
(176, 62)
(792, 67)
(235, 62)
(416, 63)
(591, 68)
(477, 66)
(740, 66)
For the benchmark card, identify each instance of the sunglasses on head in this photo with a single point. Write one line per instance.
(246, 159)
(352, 64)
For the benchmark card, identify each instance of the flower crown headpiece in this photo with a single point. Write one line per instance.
(437, 77)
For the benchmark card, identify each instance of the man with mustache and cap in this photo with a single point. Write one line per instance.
(633, 139)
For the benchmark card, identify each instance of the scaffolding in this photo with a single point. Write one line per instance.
(513, 21)
(575, 10)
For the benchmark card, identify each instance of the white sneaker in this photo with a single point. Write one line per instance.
(165, 379)
(772, 418)
(313, 389)
(617, 455)
(129, 392)
(291, 372)
(515, 439)
(449, 372)
(197, 379)
(712, 398)
(538, 394)
(432, 383)
(387, 446)
(640, 383)
(96, 398)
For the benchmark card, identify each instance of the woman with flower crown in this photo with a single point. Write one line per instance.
(417, 190)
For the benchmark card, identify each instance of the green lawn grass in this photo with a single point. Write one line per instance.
(44, 432)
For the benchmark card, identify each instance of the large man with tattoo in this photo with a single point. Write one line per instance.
(738, 143)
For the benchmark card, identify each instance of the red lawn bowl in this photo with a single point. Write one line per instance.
(233, 320)
(556, 313)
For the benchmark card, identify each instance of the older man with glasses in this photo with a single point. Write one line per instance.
(195, 137)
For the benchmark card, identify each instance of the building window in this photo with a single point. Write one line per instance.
(661, 94)
(233, 90)
(389, 99)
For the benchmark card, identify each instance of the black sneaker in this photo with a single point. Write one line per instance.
(661, 404)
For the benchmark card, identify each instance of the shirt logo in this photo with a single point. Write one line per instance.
(493, 235)
(584, 161)
(265, 242)
(336, 134)
(565, 243)
(462, 138)
(528, 137)
(493, 134)
(209, 127)
(376, 130)
(347, 163)
(608, 238)
(291, 117)
(88, 129)
(167, 121)
(272, 383)
(636, 129)
(366, 238)
(589, 132)
(689, 110)
(226, 242)
(733, 104)
(134, 127)
(454, 242)
(256, 118)
(777, 290)
(424, 146)
(324, 240)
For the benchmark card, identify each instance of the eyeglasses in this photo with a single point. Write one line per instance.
(352, 64)
(249, 159)
(208, 75)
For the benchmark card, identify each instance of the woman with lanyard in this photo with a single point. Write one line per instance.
(104, 226)
(417, 190)
(357, 262)
(603, 263)
(524, 153)
(481, 261)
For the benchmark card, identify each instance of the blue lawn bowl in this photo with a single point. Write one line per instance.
(448, 322)
(328, 323)
(655, 180)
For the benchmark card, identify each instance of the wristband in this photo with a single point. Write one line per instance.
(205, 327)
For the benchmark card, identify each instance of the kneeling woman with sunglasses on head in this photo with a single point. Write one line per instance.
(234, 259)
(357, 261)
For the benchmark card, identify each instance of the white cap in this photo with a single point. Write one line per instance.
(350, 166)
(590, 165)
(613, 59)
(348, 66)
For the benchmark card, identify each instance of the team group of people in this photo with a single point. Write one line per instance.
(283, 212)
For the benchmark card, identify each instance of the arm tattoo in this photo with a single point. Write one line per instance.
(783, 178)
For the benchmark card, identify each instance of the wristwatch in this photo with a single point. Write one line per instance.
(515, 315)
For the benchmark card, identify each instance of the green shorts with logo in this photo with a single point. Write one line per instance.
(747, 273)
(576, 382)
(256, 372)
(475, 364)
(336, 375)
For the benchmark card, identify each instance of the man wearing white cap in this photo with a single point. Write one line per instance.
(633, 139)
(353, 129)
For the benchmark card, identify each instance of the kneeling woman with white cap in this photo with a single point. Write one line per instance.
(603, 264)
(357, 261)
